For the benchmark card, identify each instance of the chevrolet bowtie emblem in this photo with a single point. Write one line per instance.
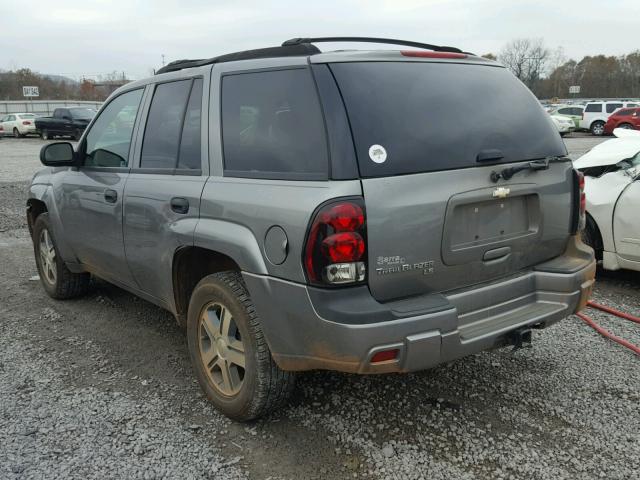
(501, 192)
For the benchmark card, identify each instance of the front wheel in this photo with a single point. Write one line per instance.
(626, 126)
(597, 128)
(228, 350)
(44, 134)
(58, 281)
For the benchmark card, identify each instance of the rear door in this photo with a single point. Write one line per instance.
(162, 195)
(428, 137)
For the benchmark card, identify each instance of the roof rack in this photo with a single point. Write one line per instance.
(271, 52)
(296, 47)
(390, 41)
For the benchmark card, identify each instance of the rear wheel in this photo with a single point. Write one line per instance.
(597, 128)
(16, 133)
(77, 134)
(58, 281)
(228, 350)
(44, 134)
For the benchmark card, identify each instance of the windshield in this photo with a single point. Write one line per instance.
(410, 117)
(82, 113)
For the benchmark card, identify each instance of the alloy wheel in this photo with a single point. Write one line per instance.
(47, 257)
(221, 349)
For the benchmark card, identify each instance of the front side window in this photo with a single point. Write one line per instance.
(272, 126)
(82, 113)
(624, 113)
(594, 107)
(190, 150)
(109, 139)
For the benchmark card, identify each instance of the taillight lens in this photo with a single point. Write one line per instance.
(580, 203)
(335, 252)
(26, 122)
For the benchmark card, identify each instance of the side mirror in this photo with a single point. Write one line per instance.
(57, 154)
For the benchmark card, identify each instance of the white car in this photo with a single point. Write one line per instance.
(18, 124)
(612, 188)
(563, 124)
(596, 114)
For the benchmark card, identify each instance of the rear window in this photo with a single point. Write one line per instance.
(272, 126)
(410, 117)
(594, 107)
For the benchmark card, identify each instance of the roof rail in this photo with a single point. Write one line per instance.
(296, 50)
(406, 43)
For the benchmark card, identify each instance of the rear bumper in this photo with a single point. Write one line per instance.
(308, 328)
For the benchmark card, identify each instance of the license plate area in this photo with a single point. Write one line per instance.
(476, 223)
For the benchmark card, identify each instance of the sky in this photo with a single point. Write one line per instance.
(93, 37)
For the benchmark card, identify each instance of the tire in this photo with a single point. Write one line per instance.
(258, 387)
(58, 281)
(597, 128)
(626, 126)
(76, 134)
(591, 236)
(44, 134)
(16, 133)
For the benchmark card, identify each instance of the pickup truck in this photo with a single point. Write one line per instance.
(69, 122)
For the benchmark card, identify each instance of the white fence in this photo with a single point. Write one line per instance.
(42, 107)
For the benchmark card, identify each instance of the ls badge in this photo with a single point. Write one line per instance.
(501, 192)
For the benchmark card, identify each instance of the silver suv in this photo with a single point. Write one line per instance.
(359, 211)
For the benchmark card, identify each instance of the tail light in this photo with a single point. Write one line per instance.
(26, 122)
(580, 203)
(335, 251)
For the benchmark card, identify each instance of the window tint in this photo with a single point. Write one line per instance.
(164, 124)
(190, 151)
(612, 106)
(108, 141)
(632, 104)
(624, 113)
(407, 117)
(565, 111)
(594, 107)
(577, 111)
(273, 126)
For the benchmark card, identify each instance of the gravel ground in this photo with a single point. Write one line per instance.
(101, 387)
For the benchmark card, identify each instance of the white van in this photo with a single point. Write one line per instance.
(595, 114)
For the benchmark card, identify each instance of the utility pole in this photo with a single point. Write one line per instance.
(163, 59)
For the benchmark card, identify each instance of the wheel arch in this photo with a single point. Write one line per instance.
(593, 226)
(35, 208)
(190, 265)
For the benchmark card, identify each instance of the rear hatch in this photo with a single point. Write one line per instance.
(428, 136)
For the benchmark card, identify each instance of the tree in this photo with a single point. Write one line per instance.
(526, 58)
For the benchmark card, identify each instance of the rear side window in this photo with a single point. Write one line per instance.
(565, 111)
(164, 125)
(613, 106)
(272, 126)
(190, 151)
(624, 113)
(594, 107)
(411, 117)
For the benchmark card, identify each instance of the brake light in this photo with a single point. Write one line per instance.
(26, 122)
(580, 203)
(427, 54)
(334, 253)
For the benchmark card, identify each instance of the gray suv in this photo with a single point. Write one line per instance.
(360, 211)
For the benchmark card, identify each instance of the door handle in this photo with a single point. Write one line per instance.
(180, 205)
(110, 196)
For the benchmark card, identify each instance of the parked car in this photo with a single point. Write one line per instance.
(596, 114)
(299, 210)
(563, 124)
(18, 124)
(574, 112)
(65, 122)
(628, 118)
(612, 188)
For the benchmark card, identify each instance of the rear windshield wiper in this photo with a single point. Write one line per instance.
(541, 164)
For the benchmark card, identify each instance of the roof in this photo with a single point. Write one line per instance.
(296, 47)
